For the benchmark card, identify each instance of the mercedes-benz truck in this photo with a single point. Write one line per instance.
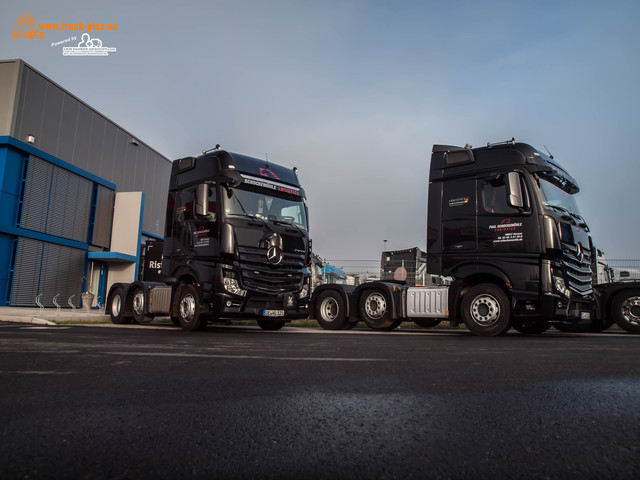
(506, 238)
(236, 245)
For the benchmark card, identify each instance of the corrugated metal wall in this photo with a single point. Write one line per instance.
(103, 217)
(36, 195)
(26, 275)
(56, 201)
(72, 131)
(60, 274)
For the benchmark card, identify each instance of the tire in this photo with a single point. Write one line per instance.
(117, 303)
(271, 324)
(427, 322)
(486, 310)
(188, 308)
(533, 328)
(375, 310)
(330, 311)
(137, 307)
(625, 310)
(396, 323)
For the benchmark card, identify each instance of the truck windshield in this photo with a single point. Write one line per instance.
(555, 197)
(268, 205)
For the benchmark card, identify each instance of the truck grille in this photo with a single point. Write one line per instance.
(577, 266)
(259, 274)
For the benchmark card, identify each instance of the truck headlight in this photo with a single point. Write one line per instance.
(304, 292)
(561, 286)
(231, 285)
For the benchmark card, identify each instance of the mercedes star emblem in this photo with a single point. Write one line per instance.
(274, 255)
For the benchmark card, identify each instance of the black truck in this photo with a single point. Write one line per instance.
(507, 241)
(236, 245)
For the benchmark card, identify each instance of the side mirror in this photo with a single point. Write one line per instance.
(514, 191)
(202, 200)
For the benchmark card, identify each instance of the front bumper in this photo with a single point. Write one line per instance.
(283, 306)
(574, 311)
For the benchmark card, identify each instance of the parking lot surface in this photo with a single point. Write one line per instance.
(238, 402)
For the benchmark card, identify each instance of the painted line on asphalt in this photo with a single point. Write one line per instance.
(33, 372)
(247, 357)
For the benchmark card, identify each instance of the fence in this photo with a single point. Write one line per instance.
(363, 270)
(625, 269)
(370, 269)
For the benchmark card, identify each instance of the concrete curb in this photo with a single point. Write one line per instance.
(31, 320)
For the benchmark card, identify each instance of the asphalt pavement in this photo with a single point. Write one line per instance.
(153, 401)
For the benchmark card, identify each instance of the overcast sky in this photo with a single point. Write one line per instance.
(355, 93)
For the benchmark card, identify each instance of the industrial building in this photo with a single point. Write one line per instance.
(79, 197)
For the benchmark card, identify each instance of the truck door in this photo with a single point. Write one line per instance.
(192, 233)
(508, 235)
(503, 227)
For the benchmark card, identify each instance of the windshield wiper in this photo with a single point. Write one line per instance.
(291, 224)
(581, 221)
(567, 214)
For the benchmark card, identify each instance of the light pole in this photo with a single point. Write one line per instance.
(385, 245)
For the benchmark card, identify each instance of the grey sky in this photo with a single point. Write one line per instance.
(354, 93)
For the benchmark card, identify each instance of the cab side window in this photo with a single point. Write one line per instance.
(495, 196)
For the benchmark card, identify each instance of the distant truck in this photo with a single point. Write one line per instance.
(507, 242)
(617, 301)
(408, 266)
(236, 245)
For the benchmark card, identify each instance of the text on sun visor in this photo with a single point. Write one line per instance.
(271, 185)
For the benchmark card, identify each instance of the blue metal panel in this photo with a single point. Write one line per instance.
(11, 171)
(7, 140)
(115, 257)
(7, 249)
(23, 232)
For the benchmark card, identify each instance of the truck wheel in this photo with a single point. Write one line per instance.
(486, 310)
(137, 306)
(117, 308)
(427, 322)
(188, 303)
(374, 310)
(531, 328)
(330, 311)
(271, 324)
(626, 310)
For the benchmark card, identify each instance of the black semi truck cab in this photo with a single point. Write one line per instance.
(236, 245)
(504, 233)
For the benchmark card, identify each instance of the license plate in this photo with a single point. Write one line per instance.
(273, 313)
(585, 315)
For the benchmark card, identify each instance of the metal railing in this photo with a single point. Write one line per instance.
(370, 269)
(625, 269)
